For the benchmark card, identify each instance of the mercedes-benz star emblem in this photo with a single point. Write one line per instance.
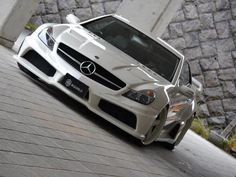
(87, 68)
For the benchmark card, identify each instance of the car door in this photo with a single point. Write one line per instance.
(180, 104)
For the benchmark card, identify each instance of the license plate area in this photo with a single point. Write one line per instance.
(76, 86)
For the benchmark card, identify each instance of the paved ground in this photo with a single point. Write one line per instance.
(41, 136)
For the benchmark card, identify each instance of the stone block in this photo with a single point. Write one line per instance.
(203, 111)
(225, 59)
(229, 104)
(213, 93)
(190, 11)
(209, 64)
(191, 39)
(222, 4)
(220, 121)
(233, 9)
(225, 45)
(222, 15)
(230, 116)
(178, 43)
(229, 89)
(36, 20)
(97, 1)
(209, 48)
(206, 7)
(211, 79)
(234, 54)
(206, 35)
(40, 9)
(98, 9)
(215, 108)
(175, 30)
(51, 6)
(193, 53)
(83, 13)
(233, 26)
(66, 4)
(83, 3)
(191, 25)
(227, 74)
(222, 29)
(51, 18)
(206, 21)
(179, 16)
(111, 6)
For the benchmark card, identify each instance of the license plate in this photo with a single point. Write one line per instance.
(75, 85)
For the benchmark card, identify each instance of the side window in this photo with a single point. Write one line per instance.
(185, 76)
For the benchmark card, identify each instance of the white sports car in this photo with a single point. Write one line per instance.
(133, 80)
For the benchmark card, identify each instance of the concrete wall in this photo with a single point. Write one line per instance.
(203, 30)
(14, 14)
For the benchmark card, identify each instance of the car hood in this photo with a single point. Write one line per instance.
(109, 57)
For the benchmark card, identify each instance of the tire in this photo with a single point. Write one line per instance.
(25, 70)
(170, 146)
(155, 130)
(188, 124)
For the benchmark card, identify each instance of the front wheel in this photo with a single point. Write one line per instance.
(155, 130)
(181, 135)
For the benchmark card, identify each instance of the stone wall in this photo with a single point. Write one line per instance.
(56, 10)
(203, 30)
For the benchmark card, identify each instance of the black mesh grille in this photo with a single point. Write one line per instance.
(101, 75)
(39, 62)
(119, 113)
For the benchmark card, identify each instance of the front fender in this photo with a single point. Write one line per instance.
(162, 99)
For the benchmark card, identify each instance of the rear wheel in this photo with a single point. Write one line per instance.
(155, 130)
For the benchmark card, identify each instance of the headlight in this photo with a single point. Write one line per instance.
(145, 97)
(46, 36)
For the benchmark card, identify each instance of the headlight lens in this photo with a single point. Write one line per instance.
(46, 36)
(145, 97)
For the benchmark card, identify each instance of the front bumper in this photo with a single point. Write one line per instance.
(144, 115)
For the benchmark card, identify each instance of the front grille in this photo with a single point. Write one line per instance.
(119, 113)
(101, 75)
(39, 62)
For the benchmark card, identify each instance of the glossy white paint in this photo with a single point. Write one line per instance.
(135, 75)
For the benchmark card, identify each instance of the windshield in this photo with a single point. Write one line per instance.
(136, 44)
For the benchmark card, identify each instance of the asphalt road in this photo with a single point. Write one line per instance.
(45, 133)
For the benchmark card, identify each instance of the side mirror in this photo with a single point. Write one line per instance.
(188, 92)
(72, 19)
(197, 85)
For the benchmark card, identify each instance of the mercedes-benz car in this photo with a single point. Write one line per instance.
(133, 80)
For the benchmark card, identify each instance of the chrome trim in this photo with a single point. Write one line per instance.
(93, 73)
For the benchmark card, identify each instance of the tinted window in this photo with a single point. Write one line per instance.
(136, 44)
